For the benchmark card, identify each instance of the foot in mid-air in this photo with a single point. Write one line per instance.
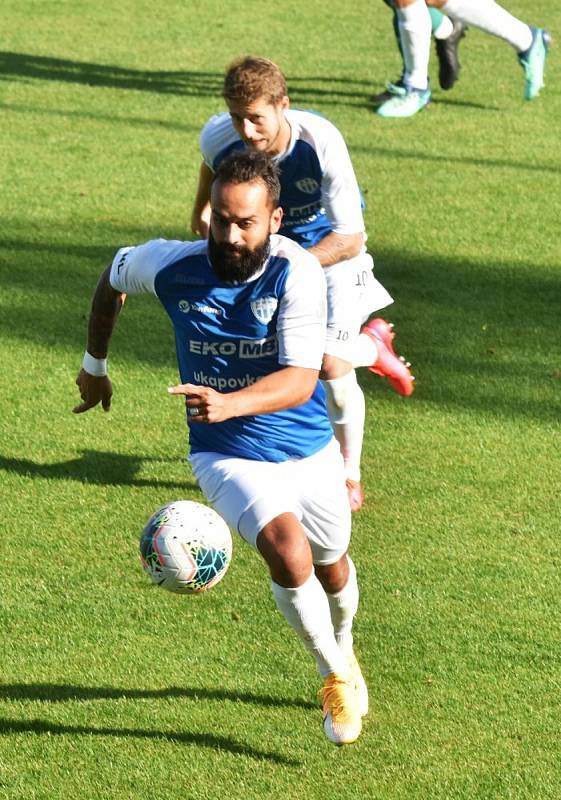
(388, 364)
(355, 494)
(533, 62)
(406, 103)
(342, 719)
(447, 52)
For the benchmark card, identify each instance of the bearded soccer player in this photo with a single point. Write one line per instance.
(322, 209)
(248, 309)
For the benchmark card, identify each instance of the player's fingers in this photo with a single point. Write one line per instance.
(182, 388)
(106, 403)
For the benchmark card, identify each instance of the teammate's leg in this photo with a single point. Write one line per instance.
(447, 36)
(347, 409)
(531, 44)
(414, 32)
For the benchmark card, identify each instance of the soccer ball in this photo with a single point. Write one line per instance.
(185, 547)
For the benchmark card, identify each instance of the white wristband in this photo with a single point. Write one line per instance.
(94, 366)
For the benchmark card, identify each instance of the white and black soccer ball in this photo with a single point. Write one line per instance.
(185, 547)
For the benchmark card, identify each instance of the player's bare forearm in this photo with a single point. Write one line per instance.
(106, 305)
(200, 216)
(287, 388)
(337, 247)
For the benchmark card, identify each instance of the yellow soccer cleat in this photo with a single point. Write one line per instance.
(342, 720)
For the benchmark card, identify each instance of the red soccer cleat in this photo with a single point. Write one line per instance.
(388, 364)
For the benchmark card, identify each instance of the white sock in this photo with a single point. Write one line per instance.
(444, 29)
(306, 609)
(365, 351)
(343, 607)
(491, 18)
(414, 34)
(347, 410)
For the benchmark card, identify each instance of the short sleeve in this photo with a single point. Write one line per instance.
(134, 269)
(301, 326)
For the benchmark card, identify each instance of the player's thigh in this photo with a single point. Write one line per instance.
(353, 294)
(247, 494)
(326, 516)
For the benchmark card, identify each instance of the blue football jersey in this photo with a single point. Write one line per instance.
(319, 191)
(229, 336)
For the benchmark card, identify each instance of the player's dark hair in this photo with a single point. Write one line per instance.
(250, 78)
(250, 166)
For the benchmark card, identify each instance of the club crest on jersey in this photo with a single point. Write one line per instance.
(264, 308)
(307, 185)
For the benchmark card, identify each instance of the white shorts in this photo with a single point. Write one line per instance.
(353, 294)
(249, 494)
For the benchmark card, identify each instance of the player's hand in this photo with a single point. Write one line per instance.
(93, 390)
(203, 403)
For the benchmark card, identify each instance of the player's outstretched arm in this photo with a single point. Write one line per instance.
(200, 216)
(336, 247)
(92, 381)
(287, 388)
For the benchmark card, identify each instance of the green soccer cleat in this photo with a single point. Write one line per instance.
(397, 88)
(533, 62)
(405, 105)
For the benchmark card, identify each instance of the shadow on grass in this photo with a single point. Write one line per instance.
(128, 119)
(217, 743)
(95, 467)
(57, 693)
(438, 158)
(187, 83)
(27, 66)
(481, 337)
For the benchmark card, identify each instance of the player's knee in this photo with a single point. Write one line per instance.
(286, 550)
(333, 577)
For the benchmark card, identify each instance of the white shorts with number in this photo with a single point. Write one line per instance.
(249, 494)
(353, 294)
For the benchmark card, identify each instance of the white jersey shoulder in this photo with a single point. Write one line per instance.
(340, 192)
(302, 319)
(317, 131)
(218, 134)
(304, 265)
(134, 269)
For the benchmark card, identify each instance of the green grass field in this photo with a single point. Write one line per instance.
(109, 687)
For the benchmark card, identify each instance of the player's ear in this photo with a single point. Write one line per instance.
(285, 103)
(275, 221)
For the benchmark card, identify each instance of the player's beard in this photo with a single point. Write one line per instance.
(236, 263)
